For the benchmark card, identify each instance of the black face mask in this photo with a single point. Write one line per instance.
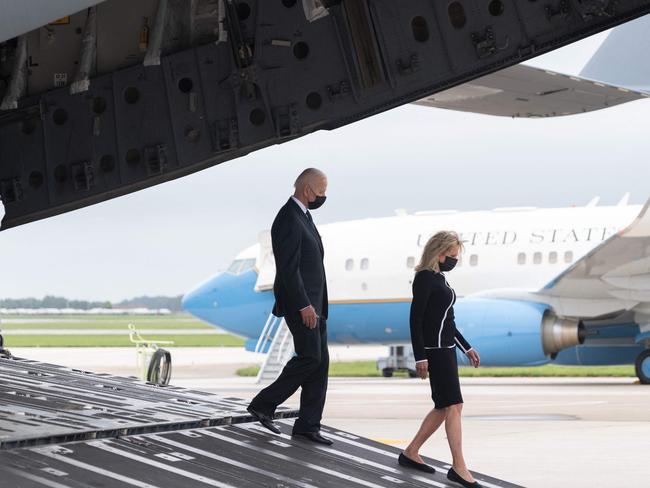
(317, 203)
(448, 264)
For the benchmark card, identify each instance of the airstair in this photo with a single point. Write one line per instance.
(277, 342)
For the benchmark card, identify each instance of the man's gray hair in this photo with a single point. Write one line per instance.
(307, 176)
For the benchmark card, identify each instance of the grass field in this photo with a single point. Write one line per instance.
(175, 321)
(79, 323)
(368, 369)
(220, 340)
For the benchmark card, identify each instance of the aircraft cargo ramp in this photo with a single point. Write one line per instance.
(61, 427)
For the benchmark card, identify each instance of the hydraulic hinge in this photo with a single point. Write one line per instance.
(338, 91)
(409, 67)
(589, 9)
(83, 176)
(11, 191)
(155, 158)
(225, 135)
(486, 43)
(286, 119)
(561, 9)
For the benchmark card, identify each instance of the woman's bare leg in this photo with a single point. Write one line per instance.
(455, 439)
(430, 424)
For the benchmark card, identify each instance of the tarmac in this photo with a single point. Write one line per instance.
(537, 432)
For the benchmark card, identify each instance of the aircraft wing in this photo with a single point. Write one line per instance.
(526, 91)
(615, 275)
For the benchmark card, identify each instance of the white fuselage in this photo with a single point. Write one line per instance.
(372, 259)
(506, 309)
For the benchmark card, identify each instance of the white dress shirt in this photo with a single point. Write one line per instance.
(300, 204)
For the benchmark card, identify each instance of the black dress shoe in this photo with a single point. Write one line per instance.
(264, 419)
(409, 463)
(313, 437)
(456, 478)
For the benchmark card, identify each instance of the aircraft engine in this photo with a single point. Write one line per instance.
(509, 332)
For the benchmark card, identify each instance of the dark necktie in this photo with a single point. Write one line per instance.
(311, 221)
(313, 226)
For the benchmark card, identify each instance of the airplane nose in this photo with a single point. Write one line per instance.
(202, 299)
(186, 301)
(230, 302)
(189, 301)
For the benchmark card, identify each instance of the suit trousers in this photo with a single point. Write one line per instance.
(307, 369)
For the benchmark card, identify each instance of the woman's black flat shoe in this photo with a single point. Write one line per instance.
(409, 463)
(456, 478)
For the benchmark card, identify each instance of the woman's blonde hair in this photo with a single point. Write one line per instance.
(438, 244)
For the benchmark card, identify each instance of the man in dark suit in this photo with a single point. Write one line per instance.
(300, 293)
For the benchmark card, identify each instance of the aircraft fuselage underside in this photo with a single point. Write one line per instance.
(128, 95)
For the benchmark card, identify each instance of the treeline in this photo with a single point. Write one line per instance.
(171, 303)
(52, 302)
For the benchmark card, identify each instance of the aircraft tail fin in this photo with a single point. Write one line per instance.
(622, 60)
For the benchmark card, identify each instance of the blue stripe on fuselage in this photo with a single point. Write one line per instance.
(230, 302)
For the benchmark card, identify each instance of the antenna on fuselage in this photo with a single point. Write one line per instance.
(593, 202)
(624, 201)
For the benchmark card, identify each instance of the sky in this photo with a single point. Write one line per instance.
(166, 239)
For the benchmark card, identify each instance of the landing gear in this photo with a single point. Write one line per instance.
(387, 372)
(642, 367)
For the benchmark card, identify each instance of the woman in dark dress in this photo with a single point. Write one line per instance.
(435, 338)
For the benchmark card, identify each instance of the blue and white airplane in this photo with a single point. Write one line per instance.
(535, 286)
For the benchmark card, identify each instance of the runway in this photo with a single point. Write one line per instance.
(536, 432)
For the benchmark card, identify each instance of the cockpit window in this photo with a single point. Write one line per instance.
(239, 266)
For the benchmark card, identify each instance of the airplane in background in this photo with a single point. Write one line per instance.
(617, 73)
(535, 286)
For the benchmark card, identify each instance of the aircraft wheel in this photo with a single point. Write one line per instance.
(387, 372)
(413, 374)
(642, 367)
(160, 368)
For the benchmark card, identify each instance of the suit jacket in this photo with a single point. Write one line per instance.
(299, 271)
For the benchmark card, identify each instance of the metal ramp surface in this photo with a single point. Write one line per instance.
(241, 455)
(44, 403)
(125, 433)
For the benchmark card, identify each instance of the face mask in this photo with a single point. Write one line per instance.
(316, 203)
(448, 264)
